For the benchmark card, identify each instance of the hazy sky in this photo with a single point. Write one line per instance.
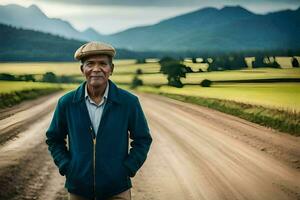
(109, 16)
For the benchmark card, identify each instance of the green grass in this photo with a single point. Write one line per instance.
(284, 96)
(281, 120)
(14, 92)
(274, 105)
(13, 86)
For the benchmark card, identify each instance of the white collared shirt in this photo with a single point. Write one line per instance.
(95, 111)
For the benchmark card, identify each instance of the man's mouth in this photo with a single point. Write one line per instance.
(97, 76)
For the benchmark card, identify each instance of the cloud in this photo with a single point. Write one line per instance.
(172, 2)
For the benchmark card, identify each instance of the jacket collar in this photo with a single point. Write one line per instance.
(113, 93)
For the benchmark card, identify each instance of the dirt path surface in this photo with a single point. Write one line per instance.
(16, 119)
(197, 153)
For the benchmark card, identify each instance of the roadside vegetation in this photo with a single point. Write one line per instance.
(14, 92)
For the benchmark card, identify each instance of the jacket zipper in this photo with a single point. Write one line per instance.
(94, 159)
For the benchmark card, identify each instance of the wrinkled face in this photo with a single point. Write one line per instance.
(97, 70)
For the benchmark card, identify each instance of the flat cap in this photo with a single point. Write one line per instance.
(94, 48)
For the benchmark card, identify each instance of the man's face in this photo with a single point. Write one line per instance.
(97, 70)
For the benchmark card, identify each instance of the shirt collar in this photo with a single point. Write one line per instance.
(86, 94)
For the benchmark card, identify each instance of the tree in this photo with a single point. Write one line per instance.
(141, 61)
(166, 60)
(49, 77)
(227, 62)
(27, 77)
(174, 70)
(265, 61)
(136, 82)
(295, 62)
(7, 77)
(206, 83)
(194, 60)
(139, 71)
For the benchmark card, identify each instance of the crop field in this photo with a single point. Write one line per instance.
(13, 86)
(279, 95)
(71, 68)
(273, 95)
(196, 78)
(257, 73)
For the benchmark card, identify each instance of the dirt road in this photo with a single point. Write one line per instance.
(197, 153)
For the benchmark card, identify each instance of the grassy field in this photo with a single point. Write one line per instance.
(281, 95)
(71, 68)
(273, 95)
(13, 86)
(14, 92)
(196, 78)
(288, 122)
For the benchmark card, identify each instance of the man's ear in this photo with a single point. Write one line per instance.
(112, 68)
(81, 68)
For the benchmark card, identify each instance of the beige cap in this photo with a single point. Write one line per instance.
(94, 48)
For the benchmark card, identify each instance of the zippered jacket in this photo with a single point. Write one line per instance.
(98, 166)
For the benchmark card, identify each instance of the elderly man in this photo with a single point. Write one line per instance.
(98, 118)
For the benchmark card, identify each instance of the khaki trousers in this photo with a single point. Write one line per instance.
(126, 195)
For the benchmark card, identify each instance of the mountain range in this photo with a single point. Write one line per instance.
(232, 28)
(33, 18)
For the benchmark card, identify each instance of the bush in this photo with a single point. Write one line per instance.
(265, 61)
(140, 61)
(295, 62)
(13, 98)
(49, 77)
(7, 77)
(230, 62)
(206, 83)
(136, 82)
(139, 71)
(165, 60)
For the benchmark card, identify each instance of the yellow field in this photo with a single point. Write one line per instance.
(59, 68)
(274, 95)
(147, 78)
(12, 86)
(279, 95)
(258, 73)
(71, 68)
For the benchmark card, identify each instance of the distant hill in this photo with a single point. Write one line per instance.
(33, 18)
(210, 29)
(26, 45)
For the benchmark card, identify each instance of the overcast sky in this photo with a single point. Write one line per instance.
(110, 16)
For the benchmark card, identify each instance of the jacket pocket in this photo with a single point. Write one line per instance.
(116, 170)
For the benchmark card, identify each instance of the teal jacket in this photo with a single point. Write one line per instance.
(99, 165)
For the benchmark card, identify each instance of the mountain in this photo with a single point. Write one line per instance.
(232, 28)
(210, 29)
(33, 18)
(19, 44)
(91, 34)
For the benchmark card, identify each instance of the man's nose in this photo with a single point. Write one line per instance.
(97, 67)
